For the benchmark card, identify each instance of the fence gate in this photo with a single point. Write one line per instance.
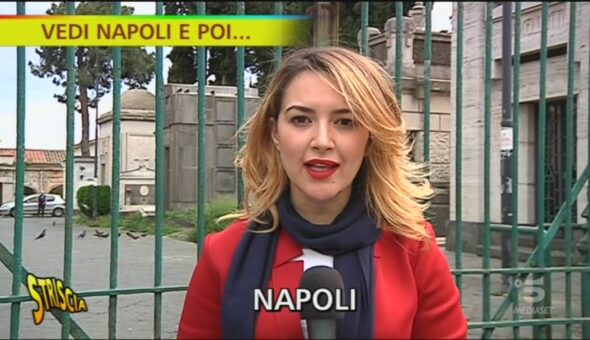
(537, 271)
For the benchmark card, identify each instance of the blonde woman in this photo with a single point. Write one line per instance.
(328, 183)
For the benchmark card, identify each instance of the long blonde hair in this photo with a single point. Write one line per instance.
(396, 188)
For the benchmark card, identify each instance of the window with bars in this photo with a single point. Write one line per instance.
(555, 158)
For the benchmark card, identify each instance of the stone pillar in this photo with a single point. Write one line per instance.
(418, 13)
(326, 23)
(408, 27)
(583, 248)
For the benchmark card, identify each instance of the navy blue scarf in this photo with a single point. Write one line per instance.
(350, 239)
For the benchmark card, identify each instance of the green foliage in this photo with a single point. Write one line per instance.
(379, 13)
(213, 211)
(85, 199)
(100, 222)
(131, 222)
(183, 69)
(173, 220)
(222, 60)
(94, 69)
(136, 223)
(259, 60)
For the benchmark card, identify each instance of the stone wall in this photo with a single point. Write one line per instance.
(473, 107)
(383, 48)
(181, 142)
(46, 178)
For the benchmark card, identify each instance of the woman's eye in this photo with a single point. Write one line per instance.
(299, 120)
(346, 122)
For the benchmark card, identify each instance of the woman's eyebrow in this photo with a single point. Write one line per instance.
(300, 108)
(306, 109)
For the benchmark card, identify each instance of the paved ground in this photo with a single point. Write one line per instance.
(90, 271)
(90, 268)
(473, 299)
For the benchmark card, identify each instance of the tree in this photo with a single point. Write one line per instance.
(259, 61)
(379, 13)
(183, 69)
(221, 63)
(221, 60)
(93, 65)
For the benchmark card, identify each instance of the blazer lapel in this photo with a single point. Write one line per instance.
(287, 250)
(286, 273)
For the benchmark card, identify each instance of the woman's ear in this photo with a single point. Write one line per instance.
(273, 132)
(369, 142)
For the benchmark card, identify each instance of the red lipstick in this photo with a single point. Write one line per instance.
(321, 168)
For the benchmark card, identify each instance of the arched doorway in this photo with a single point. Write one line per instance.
(29, 191)
(57, 190)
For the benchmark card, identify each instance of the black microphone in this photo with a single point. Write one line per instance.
(324, 283)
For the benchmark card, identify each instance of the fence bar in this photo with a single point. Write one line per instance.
(7, 259)
(520, 270)
(521, 229)
(427, 80)
(20, 180)
(365, 28)
(160, 175)
(115, 187)
(103, 292)
(241, 10)
(278, 50)
(527, 322)
(459, 147)
(506, 162)
(550, 233)
(399, 37)
(202, 120)
(585, 241)
(515, 157)
(569, 162)
(71, 102)
(541, 131)
(487, 164)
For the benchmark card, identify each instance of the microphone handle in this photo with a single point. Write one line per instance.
(321, 328)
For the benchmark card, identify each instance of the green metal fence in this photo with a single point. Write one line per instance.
(538, 264)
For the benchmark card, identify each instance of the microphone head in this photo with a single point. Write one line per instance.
(327, 279)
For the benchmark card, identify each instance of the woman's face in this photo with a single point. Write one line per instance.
(321, 147)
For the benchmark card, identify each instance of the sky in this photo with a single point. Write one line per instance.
(45, 122)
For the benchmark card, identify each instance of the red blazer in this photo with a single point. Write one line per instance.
(416, 296)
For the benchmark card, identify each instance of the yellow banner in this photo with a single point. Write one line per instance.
(151, 30)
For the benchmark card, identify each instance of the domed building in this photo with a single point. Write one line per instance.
(138, 145)
(137, 140)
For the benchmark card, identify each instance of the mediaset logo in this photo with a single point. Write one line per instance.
(533, 292)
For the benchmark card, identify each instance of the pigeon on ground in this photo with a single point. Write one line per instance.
(53, 224)
(131, 235)
(41, 235)
(100, 233)
(82, 234)
(105, 235)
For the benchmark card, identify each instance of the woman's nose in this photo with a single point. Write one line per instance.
(322, 138)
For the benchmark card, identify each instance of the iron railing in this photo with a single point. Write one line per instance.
(539, 263)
